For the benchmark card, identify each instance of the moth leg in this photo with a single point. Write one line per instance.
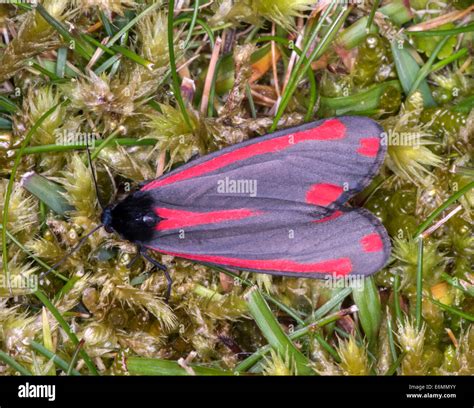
(134, 259)
(161, 267)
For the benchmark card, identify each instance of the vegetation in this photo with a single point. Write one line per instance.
(154, 84)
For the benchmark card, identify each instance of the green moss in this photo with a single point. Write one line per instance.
(127, 92)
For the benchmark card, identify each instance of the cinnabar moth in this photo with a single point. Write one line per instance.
(295, 224)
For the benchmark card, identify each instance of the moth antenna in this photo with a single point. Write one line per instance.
(94, 178)
(73, 249)
(114, 185)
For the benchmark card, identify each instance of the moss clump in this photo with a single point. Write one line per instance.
(102, 69)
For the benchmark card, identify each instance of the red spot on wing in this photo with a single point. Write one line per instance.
(173, 219)
(330, 130)
(339, 266)
(334, 215)
(323, 194)
(369, 146)
(372, 243)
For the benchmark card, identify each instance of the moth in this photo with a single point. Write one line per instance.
(275, 204)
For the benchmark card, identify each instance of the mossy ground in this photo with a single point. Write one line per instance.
(154, 90)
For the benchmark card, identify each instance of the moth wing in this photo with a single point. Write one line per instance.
(290, 243)
(322, 163)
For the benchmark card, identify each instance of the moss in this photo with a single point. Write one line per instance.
(126, 93)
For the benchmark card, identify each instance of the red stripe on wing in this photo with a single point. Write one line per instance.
(173, 219)
(323, 194)
(338, 267)
(371, 243)
(330, 130)
(369, 146)
(334, 215)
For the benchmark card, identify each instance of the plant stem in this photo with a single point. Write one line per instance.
(303, 64)
(151, 366)
(9, 190)
(273, 332)
(419, 285)
(442, 207)
(55, 312)
(297, 334)
(425, 69)
(53, 148)
(13, 363)
(52, 356)
(106, 142)
(174, 70)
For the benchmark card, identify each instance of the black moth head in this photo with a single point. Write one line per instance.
(133, 218)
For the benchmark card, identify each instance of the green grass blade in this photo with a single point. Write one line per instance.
(7, 105)
(367, 300)
(358, 103)
(174, 70)
(55, 312)
(202, 23)
(425, 69)
(454, 282)
(396, 298)
(303, 64)
(397, 12)
(50, 74)
(133, 56)
(419, 285)
(289, 311)
(106, 23)
(469, 317)
(61, 62)
(407, 69)
(80, 46)
(9, 190)
(52, 356)
(106, 142)
(192, 23)
(131, 23)
(107, 64)
(13, 363)
(441, 33)
(297, 334)
(151, 366)
(456, 196)
(370, 20)
(391, 338)
(311, 78)
(54, 148)
(448, 60)
(32, 256)
(75, 356)
(50, 193)
(5, 124)
(394, 367)
(274, 334)
(336, 299)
